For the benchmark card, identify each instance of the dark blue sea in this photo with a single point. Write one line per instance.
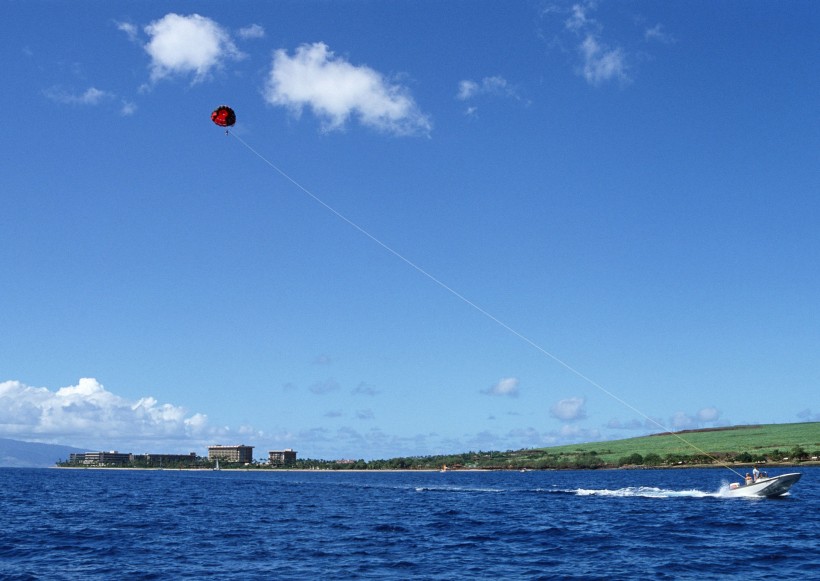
(613, 524)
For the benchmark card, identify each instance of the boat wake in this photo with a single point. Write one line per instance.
(641, 492)
(456, 489)
(627, 492)
(632, 491)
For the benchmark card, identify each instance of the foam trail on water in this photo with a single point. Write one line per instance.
(642, 491)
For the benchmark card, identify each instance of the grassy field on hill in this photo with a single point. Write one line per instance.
(770, 443)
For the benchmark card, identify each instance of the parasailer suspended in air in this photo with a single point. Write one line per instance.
(223, 116)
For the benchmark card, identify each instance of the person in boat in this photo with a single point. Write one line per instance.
(755, 474)
(748, 479)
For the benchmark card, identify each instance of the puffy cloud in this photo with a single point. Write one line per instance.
(569, 409)
(336, 90)
(507, 387)
(89, 414)
(182, 45)
(252, 31)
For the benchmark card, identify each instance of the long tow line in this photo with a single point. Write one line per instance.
(473, 305)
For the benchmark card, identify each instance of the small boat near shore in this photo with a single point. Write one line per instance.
(765, 486)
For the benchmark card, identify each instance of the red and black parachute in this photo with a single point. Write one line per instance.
(223, 116)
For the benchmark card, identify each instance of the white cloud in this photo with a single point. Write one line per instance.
(91, 96)
(569, 409)
(88, 414)
(336, 90)
(252, 31)
(129, 29)
(467, 89)
(601, 63)
(495, 86)
(507, 386)
(708, 414)
(182, 45)
(578, 19)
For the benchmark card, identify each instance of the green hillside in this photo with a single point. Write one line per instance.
(771, 443)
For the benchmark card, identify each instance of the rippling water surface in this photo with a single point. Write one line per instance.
(637, 524)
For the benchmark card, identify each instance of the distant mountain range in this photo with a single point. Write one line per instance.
(17, 454)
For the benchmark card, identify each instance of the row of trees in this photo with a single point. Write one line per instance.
(509, 460)
(540, 460)
(796, 454)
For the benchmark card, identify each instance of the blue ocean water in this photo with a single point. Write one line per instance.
(613, 524)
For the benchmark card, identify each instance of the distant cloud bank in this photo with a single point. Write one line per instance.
(87, 413)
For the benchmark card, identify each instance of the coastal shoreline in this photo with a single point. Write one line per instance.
(744, 465)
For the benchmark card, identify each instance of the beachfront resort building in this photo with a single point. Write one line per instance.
(241, 453)
(112, 458)
(281, 457)
(163, 460)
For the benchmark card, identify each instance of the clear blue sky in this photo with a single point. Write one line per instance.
(632, 186)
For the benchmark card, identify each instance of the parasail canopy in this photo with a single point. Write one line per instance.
(223, 116)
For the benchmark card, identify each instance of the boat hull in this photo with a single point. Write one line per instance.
(767, 487)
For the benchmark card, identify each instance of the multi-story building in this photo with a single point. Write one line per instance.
(282, 457)
(101, 458)
(159, 460)
(235, 454)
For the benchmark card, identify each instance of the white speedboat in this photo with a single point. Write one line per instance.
(765, 486)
